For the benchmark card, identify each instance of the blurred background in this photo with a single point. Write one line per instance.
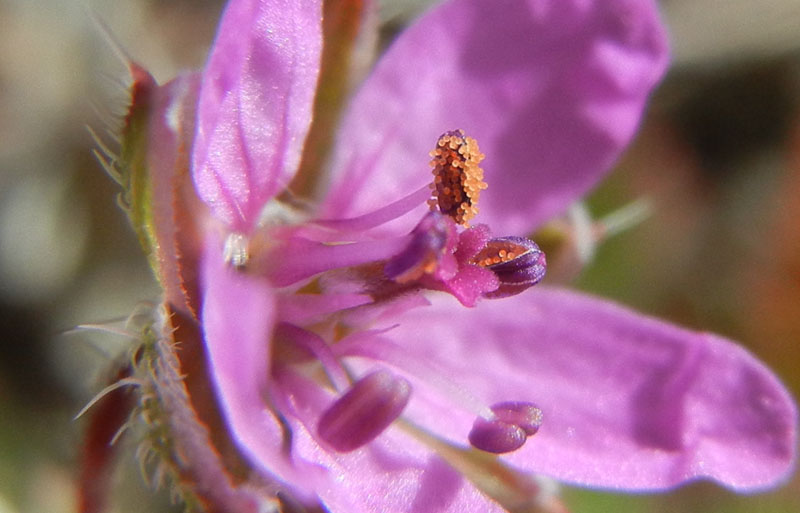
(718, 160)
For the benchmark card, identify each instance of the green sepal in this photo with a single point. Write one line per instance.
(136, 198)
(153, 170)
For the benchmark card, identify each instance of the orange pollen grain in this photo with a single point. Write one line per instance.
(458, 178)
(497, 252)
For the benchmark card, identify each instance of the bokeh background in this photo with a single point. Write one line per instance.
(718, 160)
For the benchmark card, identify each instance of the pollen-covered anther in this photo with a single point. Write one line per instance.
(513, 423)
(517, 262)
(458, 177)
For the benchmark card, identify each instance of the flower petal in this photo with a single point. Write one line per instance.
(552, 91)
(395, 472)
(628, 401)
(238, 315)
(255, 105)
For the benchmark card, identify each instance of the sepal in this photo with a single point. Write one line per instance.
(183, 444)
(153, 170)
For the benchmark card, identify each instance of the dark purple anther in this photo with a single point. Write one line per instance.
(516, 261)
(364, 411)
(432, 238)
(514, 422)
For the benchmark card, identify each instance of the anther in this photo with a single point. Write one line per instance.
(517, 262)
(364, 411)
(514, 422)
(432, 240)
(458, 178)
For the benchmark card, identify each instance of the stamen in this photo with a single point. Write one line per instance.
(378, 217)
(517, 262)
(298, 258)
(514, 422)
(364, 411)
(458, 178)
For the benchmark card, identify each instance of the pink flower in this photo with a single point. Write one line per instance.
(352, 337)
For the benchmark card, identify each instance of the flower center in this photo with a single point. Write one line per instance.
(364, 280)
(458, 178)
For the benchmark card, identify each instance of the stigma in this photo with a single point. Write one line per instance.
(458, 177)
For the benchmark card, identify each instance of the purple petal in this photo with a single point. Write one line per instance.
(255, 105)
(628, 401)
(551, 90)
(394, 472)
(237, 317)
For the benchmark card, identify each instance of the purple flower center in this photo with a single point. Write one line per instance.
(335, 290)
